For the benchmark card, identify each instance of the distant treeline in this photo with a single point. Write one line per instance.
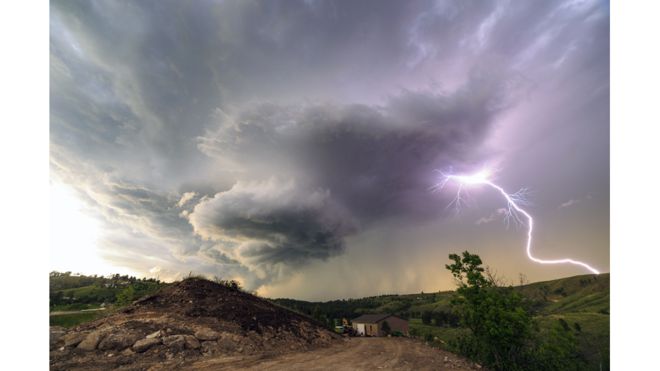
(69, 291)
(424, 306)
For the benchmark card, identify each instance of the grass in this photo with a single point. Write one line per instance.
(593, 339)
(444, 335)
(589, 303)
(71, 320)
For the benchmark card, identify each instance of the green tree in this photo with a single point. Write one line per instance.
(503, 334)
(126, 296)
(427, 316)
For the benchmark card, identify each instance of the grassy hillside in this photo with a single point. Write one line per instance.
(582, 294)
(583, 302)
(79, 293)
(586, 293)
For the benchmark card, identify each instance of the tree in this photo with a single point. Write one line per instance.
(427, 315)
(385, 327)
(125, 296)
(503, 334)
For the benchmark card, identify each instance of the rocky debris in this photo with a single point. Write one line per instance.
(206, 334)
(175, 342)
(156, 334)
(119, 341)
(56, 333)
(73, 338)
(210, 347)
(191, 342)
(91, 340)
(185, 322)
(228, 343)
(144, 344)
(128, 352)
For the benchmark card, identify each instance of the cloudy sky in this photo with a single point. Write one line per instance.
(294, 145)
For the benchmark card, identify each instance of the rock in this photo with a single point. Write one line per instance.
(127, 352)
(210, 347)
(91, 341)
(56, 333)
(119, 341)
(156, 334)
(73, 338)
(206, 334)
(191, 342)
(227, 343)
(175, 342)
(144, 344)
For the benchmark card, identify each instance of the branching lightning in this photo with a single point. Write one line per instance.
(513, 212)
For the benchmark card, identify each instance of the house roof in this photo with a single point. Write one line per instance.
(372, 318)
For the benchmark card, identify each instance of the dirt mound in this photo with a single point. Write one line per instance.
(183, 323)
(202, 298)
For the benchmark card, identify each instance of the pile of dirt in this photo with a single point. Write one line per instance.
(183, 323)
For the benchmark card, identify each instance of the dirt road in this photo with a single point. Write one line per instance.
(64, 312)
(350, 354)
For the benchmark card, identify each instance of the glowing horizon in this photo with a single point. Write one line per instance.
(513, 200)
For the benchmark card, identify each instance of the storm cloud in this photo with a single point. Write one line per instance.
(254, 139)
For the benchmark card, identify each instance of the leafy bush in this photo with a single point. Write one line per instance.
(126, 296)
(427, 316)
(556, 350)
(503, 334)
(230, 284)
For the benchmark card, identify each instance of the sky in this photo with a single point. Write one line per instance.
(294, 146)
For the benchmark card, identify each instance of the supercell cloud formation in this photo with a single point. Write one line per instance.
(268, 140)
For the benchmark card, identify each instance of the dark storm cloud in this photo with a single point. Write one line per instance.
(260, 135)
(273, 223)
(372, 162)
(377, 161)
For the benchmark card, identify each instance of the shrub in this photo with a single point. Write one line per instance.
(426, 317)
(503, 334)
(125, 296)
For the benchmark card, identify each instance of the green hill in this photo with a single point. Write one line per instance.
(578, 294)
(583, 302)
(72, 296)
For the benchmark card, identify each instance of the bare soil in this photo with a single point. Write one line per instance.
(350, 354)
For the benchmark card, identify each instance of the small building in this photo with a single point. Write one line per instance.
(372, 324)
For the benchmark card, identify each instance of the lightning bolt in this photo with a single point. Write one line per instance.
(514, 211)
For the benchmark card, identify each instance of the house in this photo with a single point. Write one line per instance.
(372, 324)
